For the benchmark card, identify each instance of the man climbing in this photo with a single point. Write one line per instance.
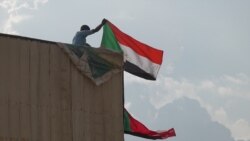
(80, 36)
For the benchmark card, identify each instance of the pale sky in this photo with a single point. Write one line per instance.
(203, 87)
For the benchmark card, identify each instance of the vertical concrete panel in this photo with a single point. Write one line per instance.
(34, 69)
(113, 101)
(87, 100)
(66, 96)
(4, 106)
(25, 118)
(96, 111)
(55, 95)
(44, 92)
(14, 90)
(78, 125)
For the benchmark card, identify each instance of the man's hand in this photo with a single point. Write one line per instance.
(100, 25)
(104, 21)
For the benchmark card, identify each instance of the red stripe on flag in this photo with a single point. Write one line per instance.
(141, 130)
(140, 48)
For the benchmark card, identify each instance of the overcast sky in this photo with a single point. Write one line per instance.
(203, 87)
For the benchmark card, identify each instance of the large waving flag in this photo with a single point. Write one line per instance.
(134, 127)
(139, 59)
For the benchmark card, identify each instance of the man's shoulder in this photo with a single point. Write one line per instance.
(86, 32)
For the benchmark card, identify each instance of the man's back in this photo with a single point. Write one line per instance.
(80, 37)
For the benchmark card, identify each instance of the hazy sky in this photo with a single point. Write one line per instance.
(203, 87)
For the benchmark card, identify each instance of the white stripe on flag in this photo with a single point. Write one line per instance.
(140, 61)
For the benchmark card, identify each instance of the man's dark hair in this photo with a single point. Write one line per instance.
(85, 27)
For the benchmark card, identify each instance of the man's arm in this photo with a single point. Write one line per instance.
(100, 26)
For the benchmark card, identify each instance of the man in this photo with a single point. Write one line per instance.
(80, 36)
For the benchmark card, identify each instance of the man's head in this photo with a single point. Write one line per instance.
(85, 27)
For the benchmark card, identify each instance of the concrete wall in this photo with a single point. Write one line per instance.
(43, 97)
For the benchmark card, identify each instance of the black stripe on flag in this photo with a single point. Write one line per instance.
(135, 70)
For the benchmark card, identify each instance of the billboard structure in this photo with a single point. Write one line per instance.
(45, 97)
